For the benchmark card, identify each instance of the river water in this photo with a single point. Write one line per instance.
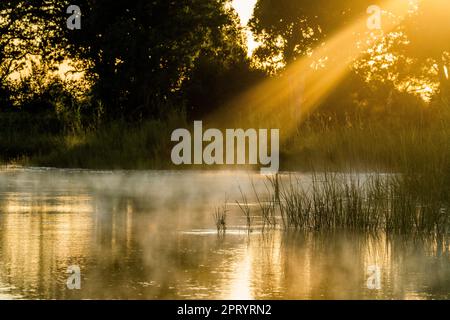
(151, 235)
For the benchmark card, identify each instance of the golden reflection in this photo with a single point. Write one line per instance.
(136, 248)
(314, 266)
(29, 203)
(240, 287)
(38, 238)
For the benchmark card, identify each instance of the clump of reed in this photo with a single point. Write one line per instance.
(331, 202)
(392, 203)
(267, 207)
(245, 208)
(220, 218)
(415, 205)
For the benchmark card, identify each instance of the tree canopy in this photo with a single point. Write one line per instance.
(137, 53)
(140, 58)
(417, 50)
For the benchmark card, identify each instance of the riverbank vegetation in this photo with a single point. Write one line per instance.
(320, 143)
(108, 96)
(373, 202)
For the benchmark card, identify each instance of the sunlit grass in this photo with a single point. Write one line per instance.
(390, 144)
(394, 204)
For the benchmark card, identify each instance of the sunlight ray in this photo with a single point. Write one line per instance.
(287, 99)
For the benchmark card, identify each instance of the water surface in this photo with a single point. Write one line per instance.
(151, 235)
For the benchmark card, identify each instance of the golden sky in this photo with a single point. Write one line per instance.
(245, 11)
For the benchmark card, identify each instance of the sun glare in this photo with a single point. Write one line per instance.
(245, 10)
(288, 99)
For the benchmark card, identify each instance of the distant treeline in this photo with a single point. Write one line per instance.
(142, 62)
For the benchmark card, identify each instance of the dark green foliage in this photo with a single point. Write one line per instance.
(137, 54)
(302, 24)
(142, 51)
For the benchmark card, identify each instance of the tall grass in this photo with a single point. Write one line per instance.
(114, 145)
(267, 207)
(394, 145)
(220, 218)
(397, 145)
(245, 208)
(367, 203)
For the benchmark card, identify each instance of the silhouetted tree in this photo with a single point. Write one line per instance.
(291, 28)
(137, 53)
(28, 33)
(142, 51)
(428, 31)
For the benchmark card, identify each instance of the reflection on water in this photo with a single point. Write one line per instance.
(150, 235)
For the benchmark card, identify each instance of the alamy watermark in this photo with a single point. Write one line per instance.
(74, 280)
(374, 279)
(374, 20)
(74, 20)
(229, 148)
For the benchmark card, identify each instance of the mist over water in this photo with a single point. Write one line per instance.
(151, 235)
